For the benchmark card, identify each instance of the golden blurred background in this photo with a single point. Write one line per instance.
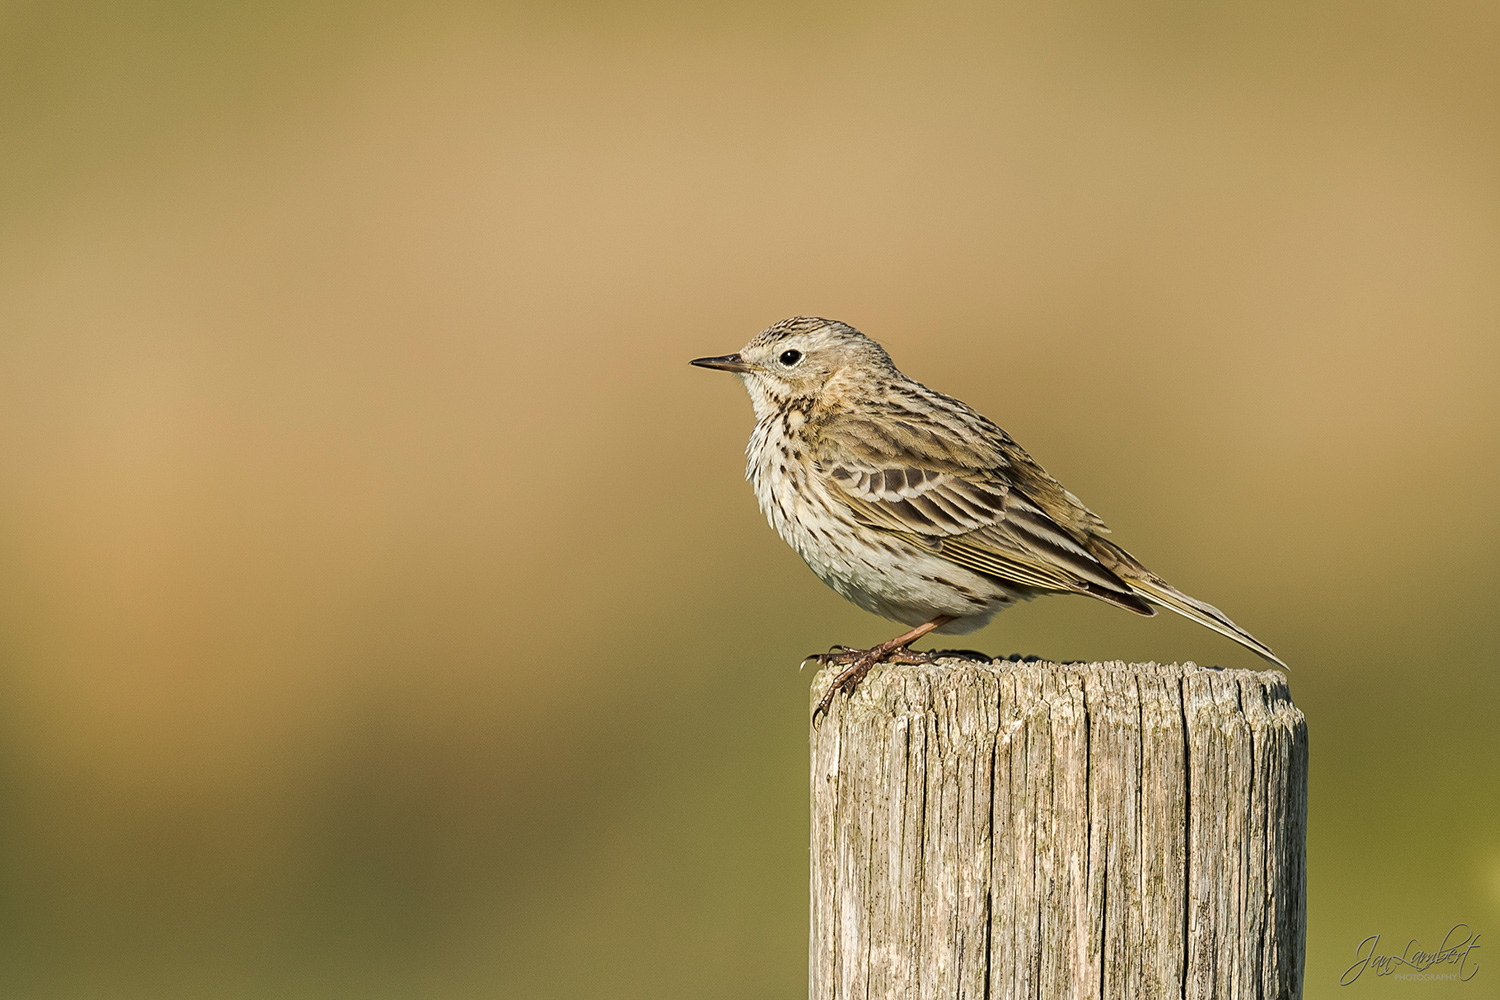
(382, 610)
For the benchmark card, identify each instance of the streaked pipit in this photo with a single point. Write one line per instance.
(915, 506)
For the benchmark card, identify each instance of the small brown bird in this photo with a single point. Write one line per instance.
(915, 506)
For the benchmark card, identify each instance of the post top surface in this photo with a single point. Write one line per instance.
(897, 689)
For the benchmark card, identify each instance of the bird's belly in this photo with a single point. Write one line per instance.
(887, 576)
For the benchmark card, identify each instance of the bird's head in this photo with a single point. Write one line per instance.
(797, 359)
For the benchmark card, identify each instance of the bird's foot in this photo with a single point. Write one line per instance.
(843, 655)
(835, 654)
(857, 663)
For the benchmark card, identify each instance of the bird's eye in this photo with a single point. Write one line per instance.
(790, 358)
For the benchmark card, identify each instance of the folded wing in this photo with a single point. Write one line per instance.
(971, 496)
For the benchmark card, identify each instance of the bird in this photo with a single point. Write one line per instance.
(913, 505)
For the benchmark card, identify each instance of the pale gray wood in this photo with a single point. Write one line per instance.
(1012, 829)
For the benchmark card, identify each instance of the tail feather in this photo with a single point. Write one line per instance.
(1156, 590)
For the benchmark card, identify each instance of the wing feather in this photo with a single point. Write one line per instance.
(960, 497)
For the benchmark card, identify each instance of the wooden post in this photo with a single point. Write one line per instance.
(1029, 829)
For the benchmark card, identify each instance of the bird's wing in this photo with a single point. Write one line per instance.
(971, 496)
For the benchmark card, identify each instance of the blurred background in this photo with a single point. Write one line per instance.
(382, 609)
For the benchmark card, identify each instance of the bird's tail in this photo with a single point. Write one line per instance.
(1159, 592)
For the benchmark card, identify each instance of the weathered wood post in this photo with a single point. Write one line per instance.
(1029, 829)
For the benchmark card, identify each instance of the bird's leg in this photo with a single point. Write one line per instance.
(891, 650)
(861, 660)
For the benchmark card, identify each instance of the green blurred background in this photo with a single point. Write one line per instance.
(382, 610)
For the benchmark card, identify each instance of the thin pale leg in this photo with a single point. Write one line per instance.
(861, 660)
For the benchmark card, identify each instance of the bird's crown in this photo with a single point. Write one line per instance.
(815, 330)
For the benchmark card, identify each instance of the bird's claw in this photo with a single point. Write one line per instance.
(860, 661)
(837, 654)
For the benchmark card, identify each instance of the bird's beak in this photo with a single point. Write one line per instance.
(726, 363)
